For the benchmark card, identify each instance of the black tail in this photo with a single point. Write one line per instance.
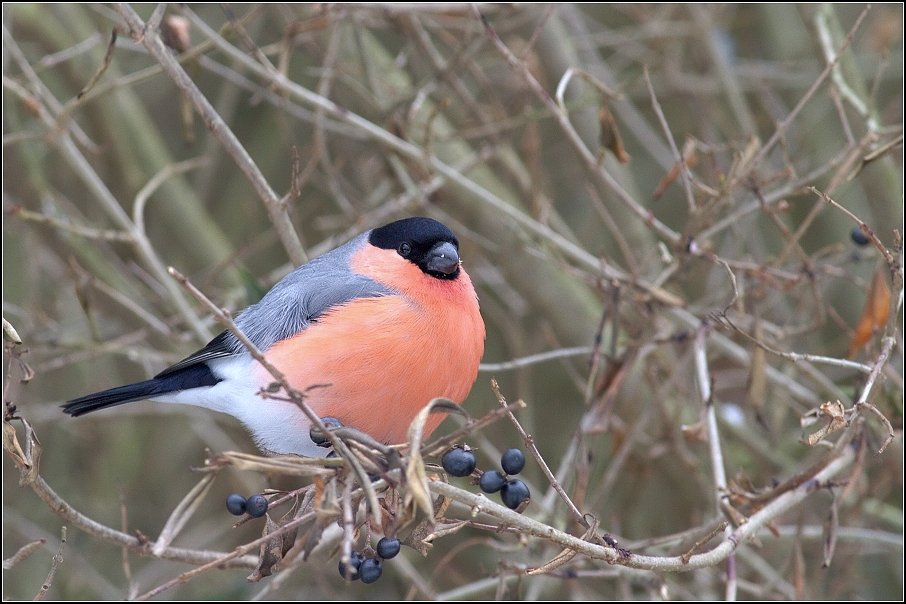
(193, 376)
(112, 397)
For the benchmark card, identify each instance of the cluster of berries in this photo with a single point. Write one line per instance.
(255, 506)
(460, 462)
(369, 569)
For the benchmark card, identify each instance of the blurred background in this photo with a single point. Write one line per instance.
(576, 231)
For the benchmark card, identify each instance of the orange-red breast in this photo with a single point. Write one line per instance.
(384, 324)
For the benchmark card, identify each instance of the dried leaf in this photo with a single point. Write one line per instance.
(271, 552)
(28, 461)
(418, 538)
(421, 536)
(755, 389)
(289, 537)
(735, 517)
(183, 512)
(668, 179)
(27, 372)
(447, 529)
(836, 413)
(742, 161)
(325, 516)
(390, 503)
(307, 505)
(283, 465)
(275, 550)
(416, 477)
(690, 153)
(695, 433)
(874, 315)
(690, 159)
(9, 333)
(312, 539)
(610, 136)
(12, 447)
(740, 493)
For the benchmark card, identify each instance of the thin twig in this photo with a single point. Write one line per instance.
(703, 377)
(279, 217)
(891, 262)
(81, 231)
(22, 553)
(590, 162)
(239, 551)
(887, 345)
(541, 357)
(57, 560)
(538, 27)
(138, 209)
(124, 527)
(698, 544)
(785, 123)
(96, 529)
(415, 153)
(677, 156)
(44, 94)
(797, 357)
(770, 511)
(108, 57)
(86, 172)
(826, 38)
(530, 443)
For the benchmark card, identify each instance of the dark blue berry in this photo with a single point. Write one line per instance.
(458, 462)
(256, 506)
(320, 439)
(236, 504)
(355, 563)
(492, 481)
(388, 547)
(371, 570)
(513, 493)
(858, 237)
(512, 461)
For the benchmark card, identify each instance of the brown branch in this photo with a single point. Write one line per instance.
(226, 559)
(886, 347)
(590, 162)
(770, 511)
(57, 560)
(105, 533)
(530, 443)
(785, 123)
(152, 40)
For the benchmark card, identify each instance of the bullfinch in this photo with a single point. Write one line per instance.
(372, 331)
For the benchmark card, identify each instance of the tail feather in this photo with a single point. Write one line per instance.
(194, 376)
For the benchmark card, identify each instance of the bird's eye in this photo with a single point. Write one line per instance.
(404, 249)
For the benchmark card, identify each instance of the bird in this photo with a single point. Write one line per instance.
(371, 331)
